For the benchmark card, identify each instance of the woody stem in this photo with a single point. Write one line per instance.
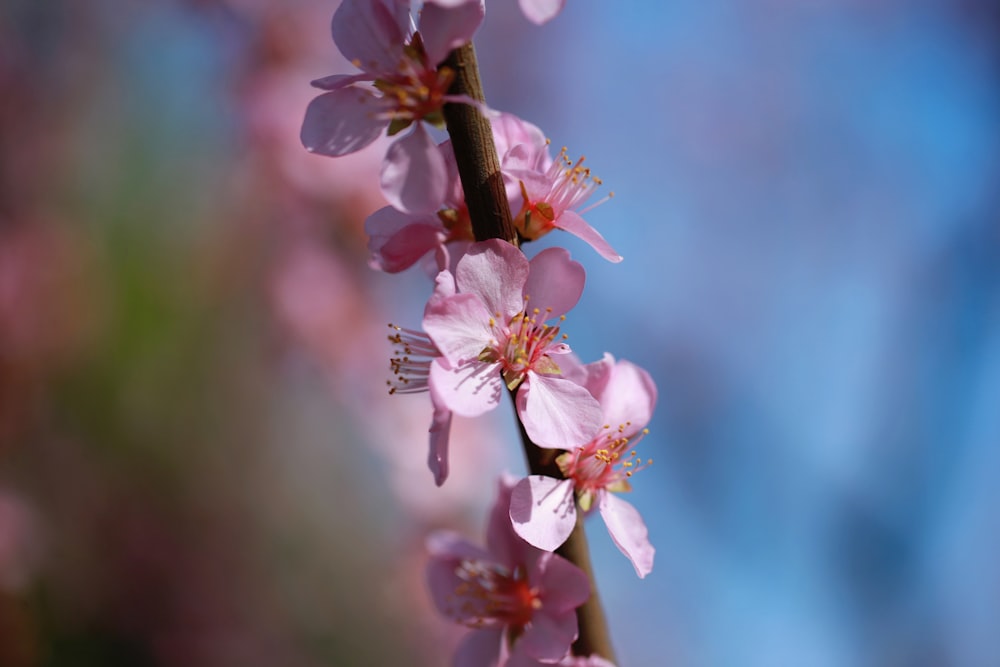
(485, 195)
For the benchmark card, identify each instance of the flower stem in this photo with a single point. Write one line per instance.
(479, 170)
(475, 153)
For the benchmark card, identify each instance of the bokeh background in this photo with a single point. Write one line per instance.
(200, 466)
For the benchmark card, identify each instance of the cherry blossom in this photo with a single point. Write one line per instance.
(543, 509)
(489, 322)
(398, 240)
(552, 193)
(520, 601)
(406, 87)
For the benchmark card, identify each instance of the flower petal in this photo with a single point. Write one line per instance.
(459, 325)
(549, 636)
(628, 397)
(540, 11)
(564, 586)
(628, 531)
(557, 412)
(577, 226)
(372, 32)
(440, 431)
(338, 81)
(479, 648)
(496, 272)
(543, 511)
(470, 390)
(448, 25)
(555, 281)
(414, 176)
(342, 121)
(398, 240)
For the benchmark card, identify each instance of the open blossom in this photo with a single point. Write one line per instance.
(543, 509)
(398, 240)
(521, 602)
(406, 87)
(489, 322)
(553, 194)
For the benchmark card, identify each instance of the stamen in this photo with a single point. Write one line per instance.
(411, 364)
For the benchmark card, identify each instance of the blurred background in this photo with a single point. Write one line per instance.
(200, 466)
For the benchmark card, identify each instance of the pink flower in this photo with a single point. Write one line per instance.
(541, 11)
(488, 321)
(543, 509)
(398, 240)
(520, 601)
(407, 87)
(552, 192)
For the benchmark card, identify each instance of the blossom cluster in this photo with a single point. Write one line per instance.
(492, 325)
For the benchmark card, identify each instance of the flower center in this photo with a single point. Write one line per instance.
(525, 346)
(570, 184)
(607, 462)
(416, 89)
(410, 364)
(457, 223)
(491, 595)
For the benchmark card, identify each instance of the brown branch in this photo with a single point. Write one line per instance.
(479, 169)
(475, 153)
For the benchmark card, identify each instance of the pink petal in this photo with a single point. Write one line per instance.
(577, 226)
(470, 390)
(414, 176)
(444, 287)
(342, 121)
(543, 511)
(496, 272)
(437, 457)
(564, 586)
(557, 412)
(405, 248)
(447, 545)
(459, 325)
(548, 637)
(501, 541)
(372, 32)
(510, 131)
(628, 531)
(629, 396)
(479, 648)
(555, 282)
(540, 11)
(337, 81)
(596, 375)
(448, 25)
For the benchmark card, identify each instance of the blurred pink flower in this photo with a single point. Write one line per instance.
(398, 240)
(488, 321)
(407, 88)
(543, 509)
(520, 601)
(541, 11)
